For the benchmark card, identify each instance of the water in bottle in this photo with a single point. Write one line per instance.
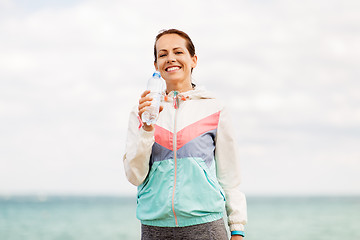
(155, 85)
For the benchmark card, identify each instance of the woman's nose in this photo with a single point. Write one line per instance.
(171, 58)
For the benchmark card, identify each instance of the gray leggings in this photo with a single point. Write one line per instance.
(207, 231)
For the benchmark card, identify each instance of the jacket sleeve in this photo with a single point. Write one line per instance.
(228, 173)
(138, 150)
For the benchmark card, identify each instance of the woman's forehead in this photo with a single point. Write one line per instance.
(170, 41)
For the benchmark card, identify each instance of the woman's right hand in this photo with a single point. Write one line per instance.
(144, 102)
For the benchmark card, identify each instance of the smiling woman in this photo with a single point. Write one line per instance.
(175, 59)
(186, 165)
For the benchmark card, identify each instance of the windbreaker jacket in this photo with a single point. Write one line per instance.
(187, 169)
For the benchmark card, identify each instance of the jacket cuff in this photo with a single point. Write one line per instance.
(240, 233)
(236, 227)
(147, 135)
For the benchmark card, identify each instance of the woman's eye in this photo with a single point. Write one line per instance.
(179, 52)
(162, 55)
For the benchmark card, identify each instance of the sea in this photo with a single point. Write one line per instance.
(113, 218)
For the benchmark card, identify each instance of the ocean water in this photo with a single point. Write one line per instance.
(113, 218)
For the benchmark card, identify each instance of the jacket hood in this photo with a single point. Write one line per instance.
(196, 93)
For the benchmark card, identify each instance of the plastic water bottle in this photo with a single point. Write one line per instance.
(155, 85)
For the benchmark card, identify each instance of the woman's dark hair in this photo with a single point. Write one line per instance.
(189, 44)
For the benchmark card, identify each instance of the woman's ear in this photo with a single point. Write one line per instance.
(155, 65)
(194, 61)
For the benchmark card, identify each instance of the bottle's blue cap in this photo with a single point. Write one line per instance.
(157, 74)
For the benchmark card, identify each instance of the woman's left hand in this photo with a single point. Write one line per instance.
(236, 237)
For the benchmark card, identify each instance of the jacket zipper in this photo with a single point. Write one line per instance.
(176, 106)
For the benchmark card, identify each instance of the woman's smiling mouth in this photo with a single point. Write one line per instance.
(172, 69)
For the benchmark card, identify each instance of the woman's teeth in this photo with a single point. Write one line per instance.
(172, 69)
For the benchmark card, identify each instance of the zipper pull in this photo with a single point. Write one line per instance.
(176, 100)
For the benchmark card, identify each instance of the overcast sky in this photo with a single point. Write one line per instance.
(70, 71)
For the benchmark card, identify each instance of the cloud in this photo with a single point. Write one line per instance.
(71, 72)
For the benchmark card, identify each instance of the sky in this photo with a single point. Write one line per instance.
(70, 71)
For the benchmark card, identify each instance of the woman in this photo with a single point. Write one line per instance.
(186, 165)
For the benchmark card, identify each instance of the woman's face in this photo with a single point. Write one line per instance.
(174, 61)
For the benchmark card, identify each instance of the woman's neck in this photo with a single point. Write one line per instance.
(179, 87)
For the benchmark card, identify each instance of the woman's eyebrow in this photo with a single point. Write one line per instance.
(172, 49)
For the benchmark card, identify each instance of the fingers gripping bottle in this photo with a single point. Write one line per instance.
(155, 85)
